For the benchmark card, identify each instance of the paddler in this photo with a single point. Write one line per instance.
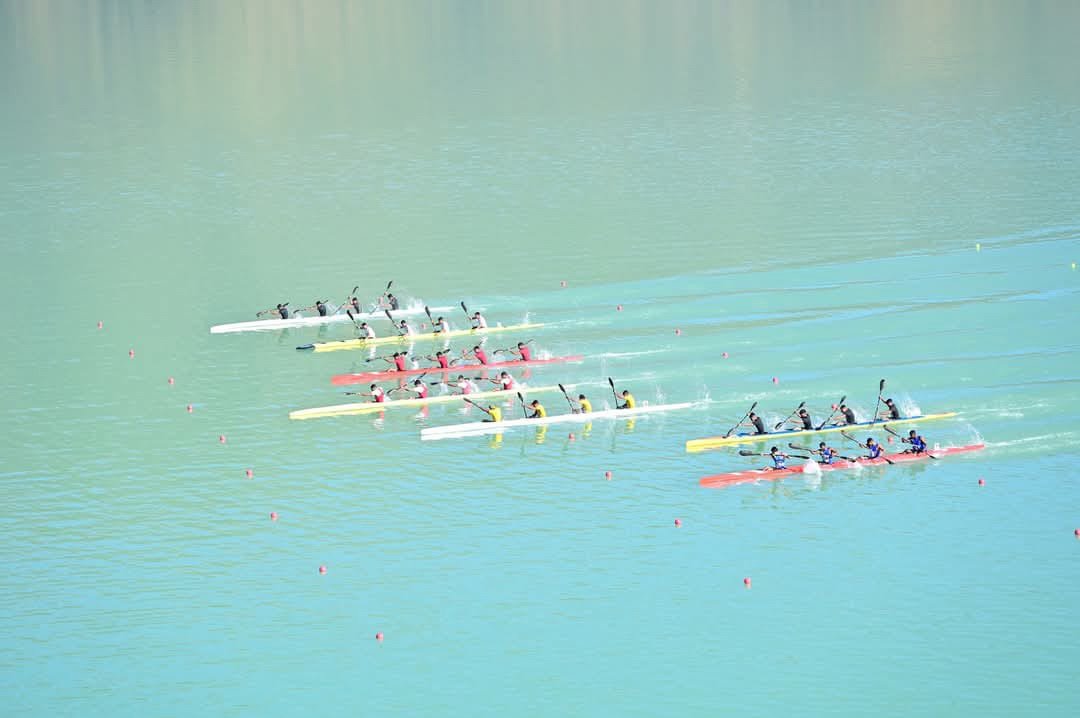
(442, 357)
(847, 413)
(366, 332)
(440, 326)
(418, 388)
(918, 444)
(354, 302)
(494, 413)
(505, 382)
(538, 410)
(522, 351)
(873, 448)
(389, 300)
(628, 400)
(756, 422)
(477, 320)
(281, 311)
(466, 385)
(803, 420)
(404, 329)
(397, 359)
(891, 411)
(584, 406)
(779, 459)
(826, 453)
(319, 306)
(377, 394)
(478, 352)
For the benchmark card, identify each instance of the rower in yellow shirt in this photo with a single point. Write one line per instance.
(538, 410)
(628, 400)
(584, 406)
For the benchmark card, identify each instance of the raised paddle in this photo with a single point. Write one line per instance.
(858, 443)
(351, 294)
(350, 315)
(613, 392)
(466, 310)
(748, 413)
(880, 388)
(781, 423)
(428, 312)
(904, 438)
(470, 401)
(838, 405)
(568, 401)
(524, 411)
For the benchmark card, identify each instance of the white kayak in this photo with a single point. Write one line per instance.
(477, 428)
(300, 320)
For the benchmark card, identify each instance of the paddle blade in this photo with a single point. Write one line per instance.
(881, 386)
(464, 309)
(744, 452)
(388, 286)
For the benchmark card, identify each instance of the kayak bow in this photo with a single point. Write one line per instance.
(313, 321)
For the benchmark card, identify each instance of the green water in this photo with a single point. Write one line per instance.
(802, 186)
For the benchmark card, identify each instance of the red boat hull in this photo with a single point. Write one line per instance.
(368, 376)
(752, 475)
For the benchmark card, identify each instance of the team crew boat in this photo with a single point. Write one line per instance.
(408, 338)
(369, 407)
(346, 379)
(754, 475)
(458, 431)
(335, 317)
(716, 442)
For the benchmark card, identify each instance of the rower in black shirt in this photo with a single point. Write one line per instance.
(891, 411)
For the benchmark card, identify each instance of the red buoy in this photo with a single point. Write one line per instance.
(379, 636)
(131, 353)
(249, 473)
(100, 325)
(562, 283)
(190, 408)
(746, 581)
(618, 307)
(273, 515)
(221, 438)
(982, 482)
(724, 355)
(322, 569)
(678, 523)
(171, 381)
(607, 475)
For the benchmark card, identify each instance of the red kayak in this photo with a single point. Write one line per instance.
(343, 379)
(752, 475)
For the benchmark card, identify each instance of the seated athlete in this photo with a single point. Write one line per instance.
(756, 422)
(891, 411)
(584, 406)
(779, 459)
(478, 321)
(824, 452)
(802, 421)
(628, 400)
(918, 444)
(873, 448)
(538, 411)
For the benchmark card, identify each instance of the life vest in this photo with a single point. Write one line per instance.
(779, 460)
(378, 395)
(444, 363)
(586, 406)
(918, 445)
(507, 383)
(539, 412)
(827, 455)
(629, 402)
(496, 413)
(481, 356)
(875, 452)
(526, 354)
(399, 362)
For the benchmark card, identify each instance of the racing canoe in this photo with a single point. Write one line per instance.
(345, 379)
(364, 343)
(370, 407)
(752, 475)
(713, 442)
(476, 428)
(313, 321)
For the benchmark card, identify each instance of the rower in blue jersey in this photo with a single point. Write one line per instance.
(825, 453)
(918, 444)
(873, 448)
(779, 459)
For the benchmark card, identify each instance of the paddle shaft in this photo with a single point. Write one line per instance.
(748, 413)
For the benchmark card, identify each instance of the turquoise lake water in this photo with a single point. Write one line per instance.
(831, 194)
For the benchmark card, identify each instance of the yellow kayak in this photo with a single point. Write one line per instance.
(369, 407)
(396, 339)
(714, 442)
